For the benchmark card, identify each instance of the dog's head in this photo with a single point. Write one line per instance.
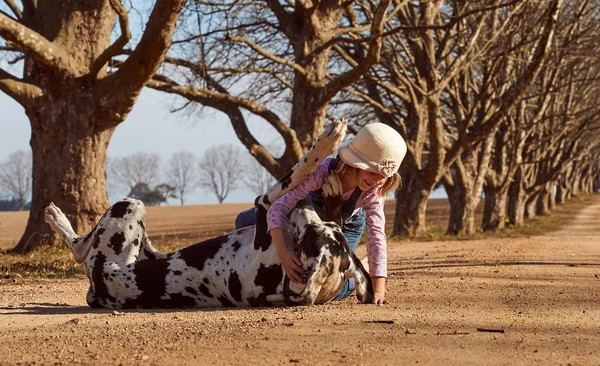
(326, 256)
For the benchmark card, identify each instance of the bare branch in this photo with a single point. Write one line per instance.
(43, 51)
(15, 9)
(372, 57)
(116, 47)
(148, 55)
(268, 55)
(17, 89)
(222, 101)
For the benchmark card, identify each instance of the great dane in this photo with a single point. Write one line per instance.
(234, 270)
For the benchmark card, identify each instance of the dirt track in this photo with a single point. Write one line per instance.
(542, 292)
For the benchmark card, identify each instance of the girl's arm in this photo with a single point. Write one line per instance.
(379, 287)
(376, 243)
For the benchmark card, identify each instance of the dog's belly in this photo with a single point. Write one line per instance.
(225, 271)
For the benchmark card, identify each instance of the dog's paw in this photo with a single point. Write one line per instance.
(333, 134)
(51, 213)
(332, 186)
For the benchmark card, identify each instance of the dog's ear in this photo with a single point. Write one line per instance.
(364, 287)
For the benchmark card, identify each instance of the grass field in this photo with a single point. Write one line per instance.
(172, 227)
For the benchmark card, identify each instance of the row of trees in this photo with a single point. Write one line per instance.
(496, 95)
(220, 170)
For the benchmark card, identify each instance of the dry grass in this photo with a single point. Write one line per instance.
(173, 227)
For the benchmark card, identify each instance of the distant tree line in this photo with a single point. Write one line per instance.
(219, 171)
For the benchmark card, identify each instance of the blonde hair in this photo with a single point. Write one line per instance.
(390, 184)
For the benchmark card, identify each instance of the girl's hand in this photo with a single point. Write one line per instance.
(379, 287)
(380, 298)
(292, 266)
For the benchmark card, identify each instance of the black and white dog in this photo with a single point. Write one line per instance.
(238, 269)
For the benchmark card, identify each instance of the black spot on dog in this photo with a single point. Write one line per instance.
(195, 255)
(235, 286)
(286, 180)
(149, 254)
(180, 301)
(176, 273)
(262, 239)
(269, 278)
(130, 227)
(236, 246)
(141, 223)
(217, 273)
(150, 278)
(205, 280)
(225, 302)
(136, 242)
(204, 290)
(191, 291)
(116, 242)
(98, 276)
(96, 242)
(119, 209)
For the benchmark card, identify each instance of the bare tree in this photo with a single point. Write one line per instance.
(221, 169)
(15, 177)
(73, 103)
(128, 171)
(433, 85)
(272, 59)
(182, 173)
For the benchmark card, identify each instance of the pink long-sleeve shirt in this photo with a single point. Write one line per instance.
(369, 200)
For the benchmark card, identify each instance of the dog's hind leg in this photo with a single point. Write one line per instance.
(326, 143)
(79, 245)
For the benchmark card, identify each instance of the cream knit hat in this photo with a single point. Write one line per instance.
(377, 148)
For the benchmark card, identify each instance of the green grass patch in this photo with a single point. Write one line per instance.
(45, 262)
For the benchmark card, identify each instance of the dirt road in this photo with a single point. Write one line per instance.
(505, 301)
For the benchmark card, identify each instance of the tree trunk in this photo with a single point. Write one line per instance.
(73, 105)
(68, 169)
(541, 204)
(456, 198)
(530, 206)
(494, 212)
(552, 197)
(516, 204)
(411, 206)
(561, 194)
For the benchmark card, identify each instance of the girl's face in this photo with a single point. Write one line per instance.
(368, 180)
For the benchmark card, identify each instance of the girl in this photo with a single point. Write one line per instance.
(367, 168)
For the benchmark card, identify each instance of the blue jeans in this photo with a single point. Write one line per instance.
(352, 230)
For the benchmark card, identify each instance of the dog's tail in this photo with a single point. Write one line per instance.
(79, 245)
(364, 286)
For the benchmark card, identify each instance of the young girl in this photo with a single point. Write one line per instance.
(367, 168)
